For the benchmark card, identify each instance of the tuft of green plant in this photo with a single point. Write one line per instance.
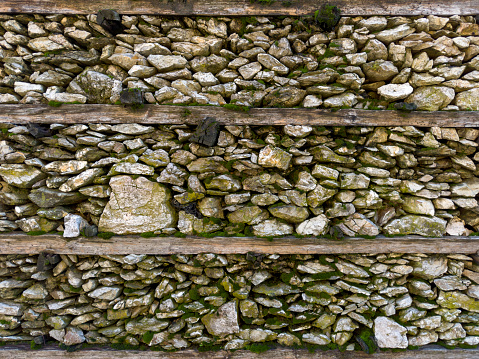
(180, 235)
(327, 17)
(58, 103)
(233, 107)
(36, 233)
(148, 234)
(35, 346)
(105, 235)
(147, 337)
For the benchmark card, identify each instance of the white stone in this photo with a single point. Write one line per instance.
(390, 334)
(315, 226)
(137, 206)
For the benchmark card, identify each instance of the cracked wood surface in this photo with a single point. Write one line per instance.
(242, 7)
(13, 243)
(164, 114)
(428, 352)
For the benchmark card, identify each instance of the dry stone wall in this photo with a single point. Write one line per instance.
(255, 180)
(355, 302)
(431, 62)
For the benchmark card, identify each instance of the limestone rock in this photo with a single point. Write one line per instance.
(137, 206)
(272, 228)
(431, 98)
(271, 156)
(411, 224)
(20, 175)
(165, 63)
(394, 92)
(224, 321)
(389, 334)
(315, 226)
(468, 100)
(47, 197)
(97, 87)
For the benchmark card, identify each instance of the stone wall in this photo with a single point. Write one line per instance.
(248, 180)
(240, 301)
(372, 62)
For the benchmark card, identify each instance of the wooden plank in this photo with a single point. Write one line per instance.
(242, 7)
(13, 243)
(430, 352)
(163, 114)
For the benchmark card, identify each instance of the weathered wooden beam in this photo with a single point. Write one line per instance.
(164, 114)
(430, 352)
(242, 7)
(13, 243)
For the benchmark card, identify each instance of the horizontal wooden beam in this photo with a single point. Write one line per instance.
(242, 7)
(429, 352)
(13, 243)
(164, 114)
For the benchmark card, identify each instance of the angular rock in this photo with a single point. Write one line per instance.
(207, 132)
(271, 156)
(389, 334)
(431, 98)
(315, 226)
(411, 224)
(137, 206)
(394, 92)
(272, 228)
(20, 175)
(224, 321)
(165, 63)
(47, 197)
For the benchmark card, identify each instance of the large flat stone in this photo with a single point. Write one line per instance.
(137, 206)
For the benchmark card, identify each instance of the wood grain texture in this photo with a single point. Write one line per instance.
(164, 114)
(430, 352)
(242, 7)
(22, 243)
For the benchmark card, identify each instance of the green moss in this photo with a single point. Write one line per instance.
(179, 234)
(365, 339)
(58, 103)
(105, 235)
(147, 337)
(35, 346)
(210, 348)
(75, 290)
(233, 107)
(259, 348)
(148, 235)
(326, 275)
(36, 233)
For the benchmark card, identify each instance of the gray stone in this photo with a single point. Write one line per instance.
(97, 87)
(73, 336)
(411, 224)
(46, 197)
(271, 156)
(431, 98)
(20, 175)
(74, 225)
(224, 321)
(165, 63)
(394, 92)
(82, 179)
(289, 213)
(389, 334)
(206, 132)
(430, 268)
(106, 293)
(272, 228)
(315, 226)
(272, 64)
(137, 206)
